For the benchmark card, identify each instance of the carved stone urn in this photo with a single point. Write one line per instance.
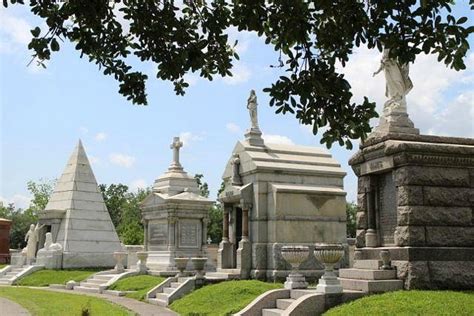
(198, 265)
(181, 263)
(119, 256)
(141, 265)
(295, 256)
(329, 255)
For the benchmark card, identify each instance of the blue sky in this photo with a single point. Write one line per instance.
(45, 111)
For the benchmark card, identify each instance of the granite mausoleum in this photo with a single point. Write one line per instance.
(175, 217)
(415, 197)
(274, 196)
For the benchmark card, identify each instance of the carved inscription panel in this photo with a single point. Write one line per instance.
(387, 209)
(189, 233)
(158, 233)
(376, 165)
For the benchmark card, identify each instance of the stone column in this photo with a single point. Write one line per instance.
(145, 234)
(371, 234)
(171, 233)
(224, 254)
(244, 252)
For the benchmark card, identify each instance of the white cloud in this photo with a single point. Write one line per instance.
(240, 74)
(244, 39)
(457, 118)
(84, 130)
(122, 160)
(19, 200)
(14, 33)
(277, 139)
(188, 138)
(100, 136)
(434, 86)
(233, 128)
(138, 184)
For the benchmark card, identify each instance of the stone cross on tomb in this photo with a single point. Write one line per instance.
(175, 146)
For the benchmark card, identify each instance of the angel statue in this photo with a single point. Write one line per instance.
(252, 107)
(398, 84)
(31, 239)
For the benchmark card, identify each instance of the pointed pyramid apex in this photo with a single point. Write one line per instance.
(79, 155)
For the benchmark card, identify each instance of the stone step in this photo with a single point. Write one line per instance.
(368, 264)
(295, 294)
(106, 277)
(371, 286)
(272, 312)
(182, 279)
(96, 281)
(158, 302)
(5, 282)
(90, 285)
(367, 274)
(284, 303)
(86, 289)
(115, 293)
(175, 284)
(168, 290)
(161, 296)
(11, 273)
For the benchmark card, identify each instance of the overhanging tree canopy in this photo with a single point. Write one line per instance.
(313, 36)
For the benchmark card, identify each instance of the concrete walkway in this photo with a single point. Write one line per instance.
(141, 308)
(11, 308)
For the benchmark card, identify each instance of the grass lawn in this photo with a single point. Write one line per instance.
(223, 298)
(47, 277)
(141, 284)
(46, 303)
(409, 303)
(2, 265)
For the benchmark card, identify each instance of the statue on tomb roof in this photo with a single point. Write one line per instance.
(252, 107)
(398, 83)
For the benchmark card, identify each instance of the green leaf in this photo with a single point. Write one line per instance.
(54, 45)
(36, 31)
(462, 20)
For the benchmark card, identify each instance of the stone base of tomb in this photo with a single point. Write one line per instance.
(88, 260)
(164, 260)
(415, 198)
(49, 259)
(18, 259)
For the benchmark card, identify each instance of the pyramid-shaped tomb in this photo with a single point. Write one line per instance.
(83, 224)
